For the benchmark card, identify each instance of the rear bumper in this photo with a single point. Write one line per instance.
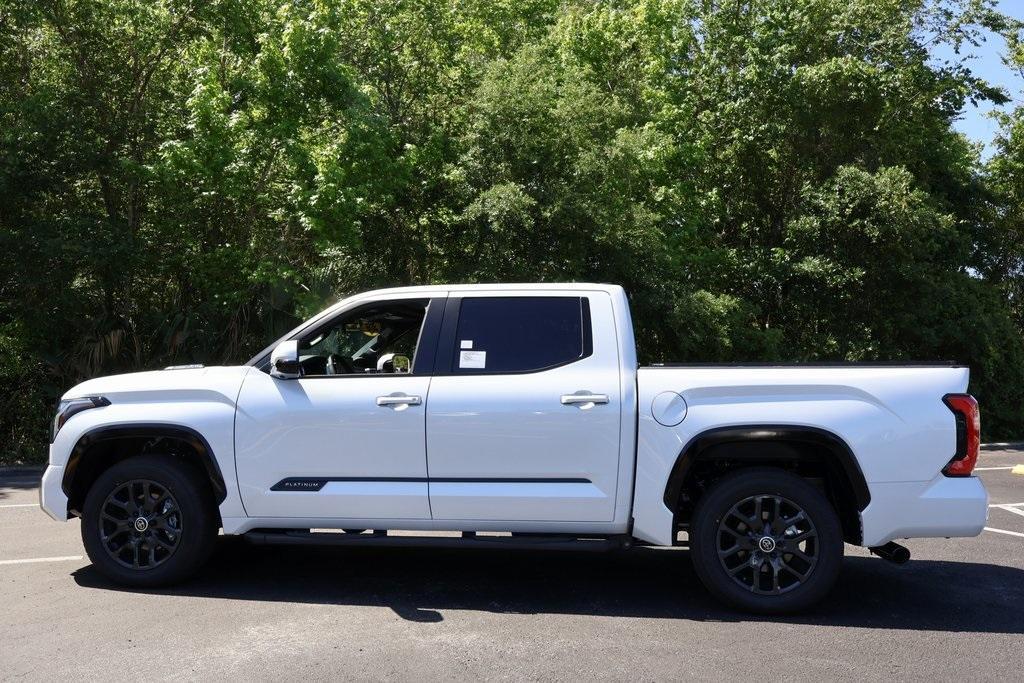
(942, 507)
(51, 494)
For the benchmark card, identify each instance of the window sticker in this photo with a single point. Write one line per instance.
(466, 344)
(473, 359)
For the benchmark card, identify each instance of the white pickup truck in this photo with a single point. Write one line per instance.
(516, 415)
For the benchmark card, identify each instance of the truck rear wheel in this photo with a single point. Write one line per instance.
(149, 521)
(766, 541)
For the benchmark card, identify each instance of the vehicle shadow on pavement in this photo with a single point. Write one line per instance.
(419, 584)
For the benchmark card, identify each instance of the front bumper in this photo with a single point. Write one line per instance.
(942, 507)
(51, 493)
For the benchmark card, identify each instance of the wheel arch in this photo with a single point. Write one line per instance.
(811, 451)
(102, 447)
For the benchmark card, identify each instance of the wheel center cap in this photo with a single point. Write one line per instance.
(141, 524)
(766, 544)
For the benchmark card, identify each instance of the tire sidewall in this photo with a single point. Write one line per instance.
(197, 521)
(716, 503)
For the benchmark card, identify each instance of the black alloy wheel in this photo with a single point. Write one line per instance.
(140, 524)
(766, 540)
(150, 520)
(768, 544)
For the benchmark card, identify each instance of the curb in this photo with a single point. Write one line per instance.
(22, 470)
(1001, 445)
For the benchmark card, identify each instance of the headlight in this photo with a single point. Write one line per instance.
(72, 406)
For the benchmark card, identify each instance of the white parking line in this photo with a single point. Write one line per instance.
(1014, 510)
(21, 505)
(1004, 531)
(67, 558)
(985, 469)
(1006, 505)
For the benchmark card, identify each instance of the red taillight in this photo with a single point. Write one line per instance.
(968, 434)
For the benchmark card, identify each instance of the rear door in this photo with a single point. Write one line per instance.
(524, 409)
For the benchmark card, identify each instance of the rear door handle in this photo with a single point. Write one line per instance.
(388, 401)
(576, 399)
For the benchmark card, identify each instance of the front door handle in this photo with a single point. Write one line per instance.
(400, 400)
(576, 399)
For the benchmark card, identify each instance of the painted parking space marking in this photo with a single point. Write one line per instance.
(989, 469)
(1015, 508)
(32, 560)
(20, 505)
(1004, 531)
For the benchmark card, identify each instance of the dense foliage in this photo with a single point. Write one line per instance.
(181, 180)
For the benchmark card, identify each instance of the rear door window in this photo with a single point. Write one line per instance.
(520, 334)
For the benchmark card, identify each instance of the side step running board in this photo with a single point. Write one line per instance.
(379, 539)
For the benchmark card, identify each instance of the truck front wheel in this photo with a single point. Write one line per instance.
(149, 521)
(766, 541)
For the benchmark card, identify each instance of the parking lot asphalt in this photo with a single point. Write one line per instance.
(956, 611)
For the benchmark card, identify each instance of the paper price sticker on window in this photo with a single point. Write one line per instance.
(473, 359)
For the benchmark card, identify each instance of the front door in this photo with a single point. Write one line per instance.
(347, 439)
(524, 410)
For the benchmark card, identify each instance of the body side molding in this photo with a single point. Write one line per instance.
(317, 483)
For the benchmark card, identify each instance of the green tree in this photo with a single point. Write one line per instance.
(182, 180)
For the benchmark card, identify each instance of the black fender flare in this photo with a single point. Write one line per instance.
(135, 430)
(718, 436)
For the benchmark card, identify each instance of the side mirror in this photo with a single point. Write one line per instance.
(393, 363)
(284, 360)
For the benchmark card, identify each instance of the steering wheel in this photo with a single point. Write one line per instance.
(339, 365)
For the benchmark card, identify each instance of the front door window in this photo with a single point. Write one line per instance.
(374, 339)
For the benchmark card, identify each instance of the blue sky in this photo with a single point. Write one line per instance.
(985, 61)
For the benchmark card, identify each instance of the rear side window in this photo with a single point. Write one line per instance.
(520, 334)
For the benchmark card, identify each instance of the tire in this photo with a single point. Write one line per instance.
(179, 533)
(736, 563)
